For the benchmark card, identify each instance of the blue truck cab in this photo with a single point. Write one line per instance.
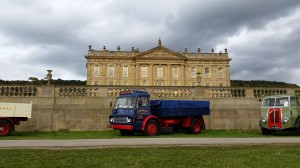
(133, 111)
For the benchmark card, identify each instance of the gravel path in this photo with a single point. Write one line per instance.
(96, 143)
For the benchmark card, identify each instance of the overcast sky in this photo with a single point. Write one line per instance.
(262, 36)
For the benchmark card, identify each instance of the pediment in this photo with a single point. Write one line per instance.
(160, 53)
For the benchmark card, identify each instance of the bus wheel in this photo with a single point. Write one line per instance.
(265, 131)
(195, 126)
(151, 128)
(5, 128)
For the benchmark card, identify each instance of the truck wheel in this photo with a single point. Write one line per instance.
(126, 132)
(265, 131)
(5, 128)
(195, 126)
(298, 130)
(151, 128)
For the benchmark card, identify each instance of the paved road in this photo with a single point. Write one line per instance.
(96, 143)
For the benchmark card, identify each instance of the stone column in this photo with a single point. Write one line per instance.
(104, 74)
(88, 74)
(168, 75)
(151, 75)
(182, 75)
(118, 74)
(136, 74)
(227, 75)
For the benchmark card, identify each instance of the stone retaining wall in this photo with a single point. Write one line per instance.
(86, 108)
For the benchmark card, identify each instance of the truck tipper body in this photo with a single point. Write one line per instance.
(11, 114)
(135, 112)
(279, 113)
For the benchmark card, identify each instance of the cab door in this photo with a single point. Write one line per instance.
(142, 111)
(294, 109)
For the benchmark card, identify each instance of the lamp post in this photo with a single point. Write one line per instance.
(198, 76)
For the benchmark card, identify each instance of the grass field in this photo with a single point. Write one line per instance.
(156, 157)
(283, 155)
(116, 134)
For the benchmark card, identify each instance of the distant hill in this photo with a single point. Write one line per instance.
(260, 83)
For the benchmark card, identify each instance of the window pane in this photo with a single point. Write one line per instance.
(125, 71)
(220, 73)
(193, 72)
(175, 72)
(96, 71)
(207, 72)
(144, 71)
(111, 71)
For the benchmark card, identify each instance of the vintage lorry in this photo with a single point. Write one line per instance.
(11, 114)
(279, 113)
(133, 111)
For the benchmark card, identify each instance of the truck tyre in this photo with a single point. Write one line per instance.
(151, 128)
(195, 126)
(265, 131)
(5, 128)
(298, 130)
(126, 132)
(297, 125)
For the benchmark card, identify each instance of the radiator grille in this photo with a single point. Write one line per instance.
(120, 119)
(274, 118)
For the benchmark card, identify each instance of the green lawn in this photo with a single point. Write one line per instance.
(156, 157)
(116, 134)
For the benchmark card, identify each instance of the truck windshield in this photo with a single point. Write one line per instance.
(125, 102)
(275, 101)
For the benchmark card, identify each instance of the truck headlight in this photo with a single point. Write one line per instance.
(111, 119)
(128, 119)
(285, 120)
(264, 120)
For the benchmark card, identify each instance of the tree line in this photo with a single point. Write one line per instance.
(260, 83)
(36, 81)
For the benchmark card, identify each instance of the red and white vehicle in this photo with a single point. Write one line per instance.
(11, 114)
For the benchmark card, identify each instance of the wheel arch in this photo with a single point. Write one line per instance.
(7, 126)
(9, 120)
(297, 122)
(151, 117)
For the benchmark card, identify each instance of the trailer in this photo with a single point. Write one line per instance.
(11, 114)
(135, 112)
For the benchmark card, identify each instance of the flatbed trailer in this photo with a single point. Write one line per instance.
(11, 114)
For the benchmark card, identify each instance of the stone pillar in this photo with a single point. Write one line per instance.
(182, 74)
(151, 75)
(136, 74)
(119, 74)
(104, 72)
(168, 73)
(227, 75)
(88, 74)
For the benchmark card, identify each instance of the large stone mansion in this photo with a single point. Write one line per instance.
(158, 66)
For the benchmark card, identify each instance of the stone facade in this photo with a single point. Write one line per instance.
(158, 66)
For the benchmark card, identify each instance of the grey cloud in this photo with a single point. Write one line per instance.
(62, 30)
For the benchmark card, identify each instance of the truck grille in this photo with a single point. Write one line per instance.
(274, 118)
(120, 119)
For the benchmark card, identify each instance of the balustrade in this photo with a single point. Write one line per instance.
(267, 92)
(162, 91)
(18, 91)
